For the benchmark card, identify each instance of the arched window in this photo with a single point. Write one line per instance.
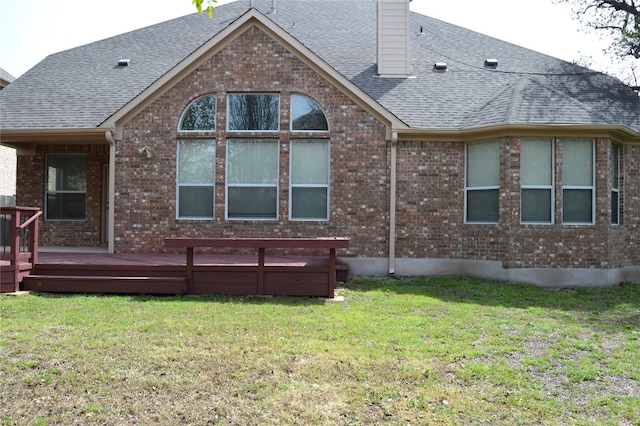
(200, 115)
(196, 161)
(306, 115)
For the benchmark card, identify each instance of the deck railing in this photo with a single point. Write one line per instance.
(19, 238)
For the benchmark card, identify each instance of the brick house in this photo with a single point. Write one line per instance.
(7, 158)
(435, 149)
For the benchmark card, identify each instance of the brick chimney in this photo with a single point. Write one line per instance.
(393, 38)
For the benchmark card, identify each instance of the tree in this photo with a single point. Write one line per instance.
(210, 5)
(620, 19)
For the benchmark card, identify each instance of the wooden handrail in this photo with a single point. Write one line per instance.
(31, 219)
(334, 242)
(16, 257)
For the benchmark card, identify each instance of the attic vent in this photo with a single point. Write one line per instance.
(124, 62)
(440, 66)
(491, 63)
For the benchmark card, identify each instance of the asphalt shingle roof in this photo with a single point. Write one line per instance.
(82, 87)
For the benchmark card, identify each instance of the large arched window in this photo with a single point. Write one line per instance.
(196, 161)
(200, 115)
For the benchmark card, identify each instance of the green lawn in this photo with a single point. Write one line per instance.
(395, 352)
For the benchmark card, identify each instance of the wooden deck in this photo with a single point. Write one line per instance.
(165, 274)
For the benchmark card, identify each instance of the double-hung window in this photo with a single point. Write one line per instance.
(66, 186)
(482, 182)
(252, 179)
(536, 180)
(614, 174)
(196, 178)
(196, 161)
(578, 190)
(309, 180)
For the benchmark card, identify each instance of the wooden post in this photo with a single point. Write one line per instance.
(15, 248)
(33, 243)
(261, 270)
(189, 269)
(332, 273)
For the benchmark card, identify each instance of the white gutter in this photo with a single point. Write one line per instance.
(392, 205)
(111, 196)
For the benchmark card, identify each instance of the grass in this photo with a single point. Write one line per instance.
(413, 351)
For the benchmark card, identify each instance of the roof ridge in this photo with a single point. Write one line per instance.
(491, 100)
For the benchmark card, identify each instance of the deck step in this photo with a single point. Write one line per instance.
(105, 284)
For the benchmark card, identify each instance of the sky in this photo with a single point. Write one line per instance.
(29, 34)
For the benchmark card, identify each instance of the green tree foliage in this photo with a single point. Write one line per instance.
(207, 5)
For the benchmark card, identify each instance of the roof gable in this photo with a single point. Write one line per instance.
(251, 18)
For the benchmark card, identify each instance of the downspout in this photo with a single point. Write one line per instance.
(111, 196)
(392, 206)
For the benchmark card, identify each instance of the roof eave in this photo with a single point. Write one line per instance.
(618, 132)
(25, 140)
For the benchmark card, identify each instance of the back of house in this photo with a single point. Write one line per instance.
(436, 150)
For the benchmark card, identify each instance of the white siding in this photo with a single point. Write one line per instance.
(393, 38)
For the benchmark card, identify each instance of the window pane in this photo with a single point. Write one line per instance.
(252, 161)
(615, 166)
(483, 164)
(482, 206)
(66, 172)
(200, 115)
(536, 161)
(309, 203)
(536, 205)
(252, 202)
(576, 205)
(615, 207)
(195, 201)
(577, 162)
(253, 112)
(310, 162)
(196, 159)
(69, 206)
(306, 114)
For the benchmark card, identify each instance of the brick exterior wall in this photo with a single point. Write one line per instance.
(431, 224)
(430, 192)
(146, 188)
(31, 192)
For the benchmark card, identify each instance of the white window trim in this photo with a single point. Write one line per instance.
(250, 185)
(178, 185)
(179, 130)
(292, 130)
(327, 186)
(552, 187)
(592, 187)
(479, 188)
(467, 189)
(617, 188)
(47, 192)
